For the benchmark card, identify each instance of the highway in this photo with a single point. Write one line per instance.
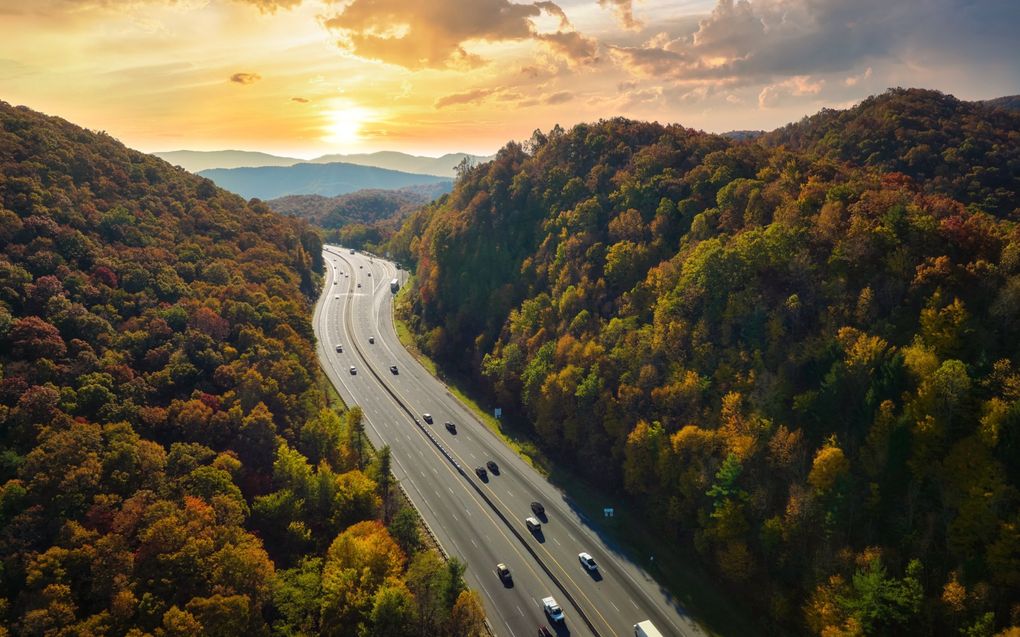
(479, 521)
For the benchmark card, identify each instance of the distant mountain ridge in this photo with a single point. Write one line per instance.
(271, 182)
(198, 160)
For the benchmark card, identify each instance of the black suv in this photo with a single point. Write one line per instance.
(538, 508)
(493, 467)
(452, 428)
(427, 418)
(481, 473)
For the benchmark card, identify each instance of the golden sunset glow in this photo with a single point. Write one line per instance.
(307, 77)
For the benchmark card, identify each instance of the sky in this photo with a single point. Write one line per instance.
(308, 77)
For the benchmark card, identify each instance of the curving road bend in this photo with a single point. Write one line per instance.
(480, 521)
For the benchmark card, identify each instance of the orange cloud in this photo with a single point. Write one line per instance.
(573, 46)
(245, 78)
(467, 97)
(624, 11)
(432, 34)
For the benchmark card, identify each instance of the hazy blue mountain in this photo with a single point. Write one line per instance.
(271, 182)
(443, 166)
(198, 160)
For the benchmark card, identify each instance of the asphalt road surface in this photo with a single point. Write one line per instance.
(479, 521)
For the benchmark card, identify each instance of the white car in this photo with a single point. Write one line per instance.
(354, 370)
(552, 609)
(587, 562)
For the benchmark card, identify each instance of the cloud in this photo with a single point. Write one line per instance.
(419, 34)
(245, 78)
(271, 6)
(560, 97)
(853, 80)
(299, 100)
(800, 85)
(572, 46)
(624, 11)
(468, 97)
(760, 41)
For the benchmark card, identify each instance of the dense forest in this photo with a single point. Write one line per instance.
(168, 462)
(797, 352)
(365, 219)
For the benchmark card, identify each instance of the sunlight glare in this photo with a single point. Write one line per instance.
(343, 125)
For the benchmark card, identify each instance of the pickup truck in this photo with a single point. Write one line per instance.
(552, 609)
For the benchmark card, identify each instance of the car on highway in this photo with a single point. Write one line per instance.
(369, 274)
(334, 282)
(371, 340)
(493, 467)
(354, 370)
(361, 267)
(537, 508)
(587, 561)
(340, 348)
(337, 297)
(352, 251)
(503, 571)
(552, 609)
(452, 428)
(480, 472)
(427, 418)
(393, 369)
(533, 524)
(359, 285)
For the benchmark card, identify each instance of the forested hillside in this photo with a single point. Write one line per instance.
(798, 354)
(168, 465)
(363, 219)
(967, 150)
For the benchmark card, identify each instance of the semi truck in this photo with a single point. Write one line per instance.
(646, 629)
(394, 286)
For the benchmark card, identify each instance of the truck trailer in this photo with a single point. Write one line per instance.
(394, 286)
(646, 629)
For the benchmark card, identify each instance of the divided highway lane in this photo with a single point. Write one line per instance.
(621, 590)
(613, 601)
(453, 509)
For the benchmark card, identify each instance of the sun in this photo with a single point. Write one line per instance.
(343, 125)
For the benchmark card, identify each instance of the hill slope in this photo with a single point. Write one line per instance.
(167, 466)
(804, 370)
(272, 182)
(364, 206)
(967, 150)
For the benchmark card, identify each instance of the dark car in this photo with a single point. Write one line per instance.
(538, 508)
(427, 418)
(393, 368)
(504, 573)
(481, 473)
(452, 428)
(493, 467)
(359, 285)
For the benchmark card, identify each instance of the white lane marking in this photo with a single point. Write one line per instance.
(520, 611)
(557, 542)
(632, 603)
(510, 493)
(473, 542)
(615, 606)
